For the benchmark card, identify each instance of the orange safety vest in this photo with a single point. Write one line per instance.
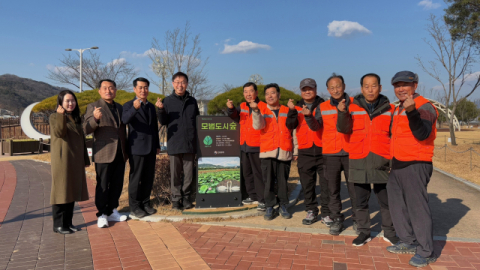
(275, 134)
(334, 141)
(305, 136)
(405, 147)
(369, 135)
(247, 133)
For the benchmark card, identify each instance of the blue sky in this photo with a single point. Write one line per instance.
(287, 40)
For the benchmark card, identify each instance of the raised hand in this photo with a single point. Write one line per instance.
(136, 104)
(254, 106)
(409, 104)
(97, 114)
(290, 104)
(60, 109)
(159, 103)
(342, 106)
(306, 111)
(230, 104)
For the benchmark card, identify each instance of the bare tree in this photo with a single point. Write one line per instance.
(227, 87)
(455, 58)
(94, 70)
(180, 52)
(256, 79)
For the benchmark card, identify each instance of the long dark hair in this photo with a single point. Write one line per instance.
(76, 111)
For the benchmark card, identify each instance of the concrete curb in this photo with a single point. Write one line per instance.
(466, 182)
(323, 231)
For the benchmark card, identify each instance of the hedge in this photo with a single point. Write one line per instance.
(84, 98)
(218, 104)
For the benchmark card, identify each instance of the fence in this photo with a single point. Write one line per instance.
(471, 150)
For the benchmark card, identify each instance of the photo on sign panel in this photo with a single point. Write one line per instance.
(218, 175)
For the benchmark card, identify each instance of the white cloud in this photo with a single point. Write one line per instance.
(60, 69)
(117, 62)
(244, 47)
(472, 76)
(428, 4)
(147, 53)
(346, 28)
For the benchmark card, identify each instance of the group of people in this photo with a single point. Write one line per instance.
(112, 147)
(375, 144)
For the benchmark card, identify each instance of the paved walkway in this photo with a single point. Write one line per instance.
(27, 240)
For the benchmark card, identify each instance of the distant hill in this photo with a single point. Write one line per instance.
(211, 166)
(17, 93)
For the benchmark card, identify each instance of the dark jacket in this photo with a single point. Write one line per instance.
(179, 114)
(292, 123)
(142, 134)
(373, 168)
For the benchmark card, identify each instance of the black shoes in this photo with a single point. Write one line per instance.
(337, 227)
(73, 228)
(62, 230)
(177, 206)
(270, 213)
(138, 213)
(284, 212)
(261, 207)
(361, 240)
(149, 210)
(186, 203)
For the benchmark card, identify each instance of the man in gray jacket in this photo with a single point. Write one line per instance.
(179, 113)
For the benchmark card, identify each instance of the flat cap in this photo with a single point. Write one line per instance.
(405, 76)
(308, 82)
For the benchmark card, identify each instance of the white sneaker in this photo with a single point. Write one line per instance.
(102, 221)
(116, 216)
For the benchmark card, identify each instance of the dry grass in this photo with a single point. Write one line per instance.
(459, 163)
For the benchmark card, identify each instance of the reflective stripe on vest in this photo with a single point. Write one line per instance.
(405, 147)
(332, 140)
(275, 134)
(305, 136)
(248, 134)
(369, 135)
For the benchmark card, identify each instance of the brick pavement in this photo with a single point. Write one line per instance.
(27, 240)
(239, 248)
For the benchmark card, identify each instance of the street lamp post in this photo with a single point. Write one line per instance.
(81, 58)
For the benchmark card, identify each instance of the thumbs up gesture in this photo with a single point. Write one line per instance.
(290, 104)
(409, 104)
(159, 103)
(97, 113)
(342, 106)
(230, 104)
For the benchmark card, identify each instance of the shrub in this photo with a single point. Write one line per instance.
(84, 98)
(218, 104)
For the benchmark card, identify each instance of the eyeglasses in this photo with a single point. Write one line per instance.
(182, 82)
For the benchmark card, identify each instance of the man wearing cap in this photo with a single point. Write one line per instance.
(308, 149)
(413, 133)
(276, 150)
(249, 145)
(335, 154)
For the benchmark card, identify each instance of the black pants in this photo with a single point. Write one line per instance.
(333, 169)
(142, 173)
(363, 192)
(181, 187)
(408, 198)
(62, 214)
(308, 169)
(252, 175)
(109, 184)
(275, 171)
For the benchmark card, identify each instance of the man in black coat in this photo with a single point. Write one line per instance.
(179, 113)
(143, 146)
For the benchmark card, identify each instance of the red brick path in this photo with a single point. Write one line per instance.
(8, 181)
(238, 248)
